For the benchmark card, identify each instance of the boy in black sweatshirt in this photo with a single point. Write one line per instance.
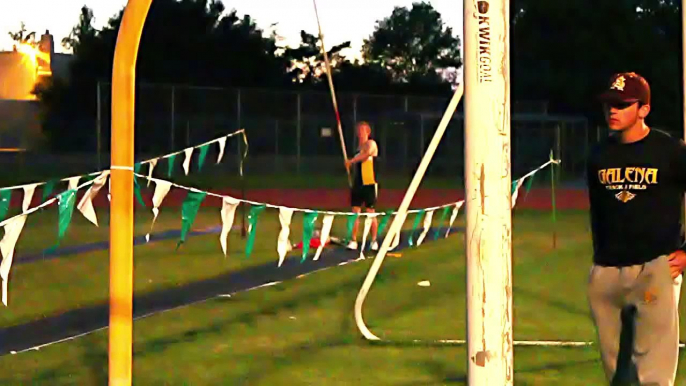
(636, 184)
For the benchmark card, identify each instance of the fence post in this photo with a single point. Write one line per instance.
(421, 133)
(276, 144)
(384, 153)
(354, 109)
(406, 149)
(238, 110)
(297, 138)
(98, 127)
(188, 133)
(171, 133)
(585, 147)
(353, 138)
(558, 150)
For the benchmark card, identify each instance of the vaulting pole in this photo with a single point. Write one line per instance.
(333, 92)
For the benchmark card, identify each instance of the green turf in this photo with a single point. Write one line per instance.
(301, 331)
(50, 287)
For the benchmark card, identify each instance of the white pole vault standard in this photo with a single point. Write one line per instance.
(333, 92)
(488, 237)
(399, 218)
(678, 280)
(683, 78)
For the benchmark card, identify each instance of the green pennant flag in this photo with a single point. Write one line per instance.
(417, 220)
(170, 167)
(189, 210)
(441, 221)
(252, 226)
(47, 189)
(136, 187)
(350, 225)
(383, 223)
(66, 201)
(5, 198)
(528, 186)
(514, 186)
(203, 155)
(308, 228)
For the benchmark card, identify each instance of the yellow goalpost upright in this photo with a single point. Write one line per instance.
(121, 205)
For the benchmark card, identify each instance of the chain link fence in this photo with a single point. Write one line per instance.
(292, 132)
(296, 132)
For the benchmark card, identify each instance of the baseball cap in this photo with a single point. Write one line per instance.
(627, 87)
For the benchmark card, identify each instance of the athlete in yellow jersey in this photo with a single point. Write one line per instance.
(364, 191)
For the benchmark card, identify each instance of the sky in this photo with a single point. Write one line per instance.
(342, 20)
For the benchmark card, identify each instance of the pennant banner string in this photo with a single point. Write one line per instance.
(302, 210)
(241, 131)
(272, 206)
(53, 200)
(152, 160)
(43, 205)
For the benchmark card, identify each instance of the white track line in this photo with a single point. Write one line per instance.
(230, 295)
(539, 343)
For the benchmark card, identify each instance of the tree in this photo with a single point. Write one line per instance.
(413, 44)
(23, 36)
(307, 60)
(82, 33)
(362, 77)
(565, 52)
(190, 42)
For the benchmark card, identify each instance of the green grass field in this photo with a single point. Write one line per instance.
(301, 331)
(50, 287)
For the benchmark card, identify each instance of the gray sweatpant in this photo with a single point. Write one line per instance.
(636, 317)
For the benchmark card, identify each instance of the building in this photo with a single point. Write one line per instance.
(20, 70)
(23, 67)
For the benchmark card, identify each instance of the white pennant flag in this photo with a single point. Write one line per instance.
(283, 243)
(13, 229)
(85, 206)
(229, 206)
(187, 161)
(427, 224)
(453, 216)
(365, 233)
(151, 167)
(161, 190)
(327, 222)
(222, 145)
(73, 182)
(28, 196)
(515, 194)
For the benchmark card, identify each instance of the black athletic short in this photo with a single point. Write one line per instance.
(364, 195)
